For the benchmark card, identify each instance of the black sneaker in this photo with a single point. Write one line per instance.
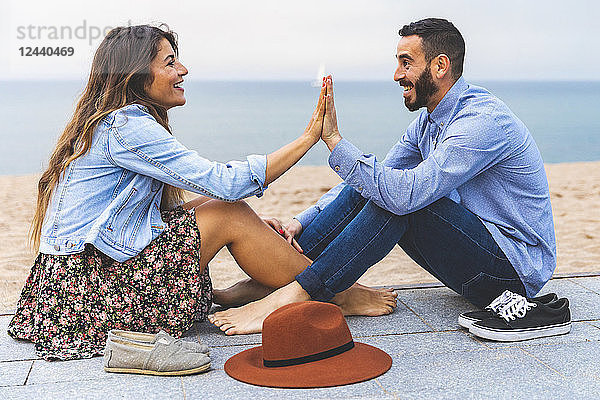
(523, 320)
(466, 320)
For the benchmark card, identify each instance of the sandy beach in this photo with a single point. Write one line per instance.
(574, 189)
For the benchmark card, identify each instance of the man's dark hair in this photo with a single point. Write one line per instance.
(439, 36)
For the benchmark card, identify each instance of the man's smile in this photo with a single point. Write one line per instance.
(408, 88)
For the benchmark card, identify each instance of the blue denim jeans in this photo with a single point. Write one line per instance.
(351, 234)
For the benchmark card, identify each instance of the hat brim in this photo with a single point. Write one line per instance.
(361, 363)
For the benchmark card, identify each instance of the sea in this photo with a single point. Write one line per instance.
(225, 121)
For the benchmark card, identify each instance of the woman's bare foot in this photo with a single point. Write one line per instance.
(363, 300)
(249, 318)
(357, 300)
(241, 293)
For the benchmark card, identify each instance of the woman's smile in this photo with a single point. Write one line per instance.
(167, 77)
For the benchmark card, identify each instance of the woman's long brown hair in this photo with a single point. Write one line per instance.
(119, 75)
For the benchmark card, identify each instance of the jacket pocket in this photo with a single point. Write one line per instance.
(121, 208)
(147, 201)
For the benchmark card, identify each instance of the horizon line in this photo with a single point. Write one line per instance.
(296, 80)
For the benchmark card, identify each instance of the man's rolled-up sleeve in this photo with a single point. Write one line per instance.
(460, 156)
(308, 215)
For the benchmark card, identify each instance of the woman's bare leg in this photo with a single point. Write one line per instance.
(271, 262)
(257, 248)
(242, 292)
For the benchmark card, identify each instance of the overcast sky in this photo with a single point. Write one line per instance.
(285, 40)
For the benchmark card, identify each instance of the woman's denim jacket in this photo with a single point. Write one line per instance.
(110, 197)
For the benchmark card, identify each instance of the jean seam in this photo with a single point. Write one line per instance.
(423, 256)
(320, 239)
(358, 252)
(466, 235)
(481, 275)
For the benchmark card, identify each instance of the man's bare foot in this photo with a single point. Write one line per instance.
(241, 293)
(363, 300)
(249, 318)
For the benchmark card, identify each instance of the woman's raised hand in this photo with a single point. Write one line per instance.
(330, 135)
(315, 125)
(281, 160)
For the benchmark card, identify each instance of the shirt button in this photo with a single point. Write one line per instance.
(337, 168)
(56, 247)
(360, 188)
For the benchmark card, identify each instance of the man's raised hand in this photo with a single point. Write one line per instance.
(330, 135)
(315, 125)
(289, 232)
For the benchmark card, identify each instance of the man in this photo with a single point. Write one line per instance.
(464, 192)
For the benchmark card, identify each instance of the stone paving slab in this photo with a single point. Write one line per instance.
(216, 384)
(499, 373)
(398, 346)
(410, 345)
(583, 302)
(11, 349)
(218, 355)
(592, 283)
(14, 373)
(595, 323)
(577, 365)
(438, 308)
(62, 371)
(120, 386)
(402, 320)
(432, 358)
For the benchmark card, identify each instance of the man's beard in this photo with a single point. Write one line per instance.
(424, 88)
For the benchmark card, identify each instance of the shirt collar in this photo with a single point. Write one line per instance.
(441, 113)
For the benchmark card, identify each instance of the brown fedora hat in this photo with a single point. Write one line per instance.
(307, 345)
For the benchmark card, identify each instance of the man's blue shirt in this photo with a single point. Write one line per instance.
(473, 149)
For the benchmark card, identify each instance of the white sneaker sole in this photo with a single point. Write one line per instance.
(516, 335)
(466, 322)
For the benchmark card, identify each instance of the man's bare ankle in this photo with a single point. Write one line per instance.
(292, 293)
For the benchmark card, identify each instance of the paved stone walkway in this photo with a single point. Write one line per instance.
(432, 358)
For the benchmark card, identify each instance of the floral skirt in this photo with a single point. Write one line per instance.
(70, 302)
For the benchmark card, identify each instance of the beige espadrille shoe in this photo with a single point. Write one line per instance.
(165, 356)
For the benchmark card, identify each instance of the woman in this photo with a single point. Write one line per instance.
(117, 248)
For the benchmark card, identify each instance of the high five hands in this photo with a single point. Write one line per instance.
(323, 125)
(330, 133)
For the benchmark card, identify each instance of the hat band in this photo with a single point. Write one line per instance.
(310, 358)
